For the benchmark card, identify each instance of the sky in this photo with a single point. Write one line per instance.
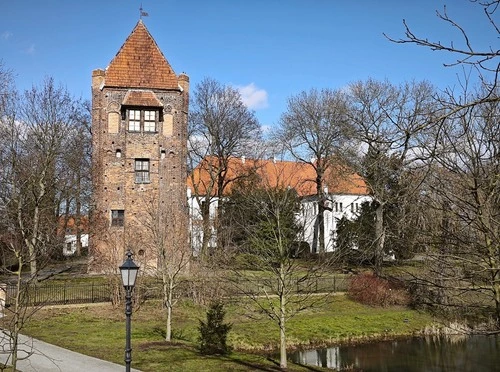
(268, 49)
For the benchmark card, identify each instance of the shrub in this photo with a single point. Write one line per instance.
(213, 332)
(372, 290)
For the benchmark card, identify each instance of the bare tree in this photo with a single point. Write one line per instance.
(264, 210)
(8, 135)
(75, 182)
(14, 257)
(387, 120)
(173, 258)
(48, 115)
(313, 130)
(34, 129)
(462, 196)
(220, 127)
(465, 51)
(461, 191)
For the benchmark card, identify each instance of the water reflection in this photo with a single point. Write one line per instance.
(430, 354)
(320, 358)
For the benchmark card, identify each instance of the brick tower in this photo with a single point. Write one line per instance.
(139, 130)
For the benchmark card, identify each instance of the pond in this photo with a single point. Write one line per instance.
(429, 354)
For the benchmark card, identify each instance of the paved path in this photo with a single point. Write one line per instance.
(51, 358)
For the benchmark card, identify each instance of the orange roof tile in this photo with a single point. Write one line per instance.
(69, 222)
(141, 98)
(140, 64)
(300, 176)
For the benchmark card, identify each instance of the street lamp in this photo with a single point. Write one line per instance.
(129, 273)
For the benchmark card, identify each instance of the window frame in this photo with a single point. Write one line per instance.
(148, 122)
(142, 174)
(118, 217)
(143, 119)
(134, 120)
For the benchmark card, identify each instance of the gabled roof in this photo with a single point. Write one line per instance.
(300, 176)
(140, 64)
(141, 98)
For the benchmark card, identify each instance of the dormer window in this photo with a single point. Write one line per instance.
(142, 120)
(134, 120)
(149, 121)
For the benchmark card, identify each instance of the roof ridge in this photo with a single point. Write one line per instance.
(140, 63)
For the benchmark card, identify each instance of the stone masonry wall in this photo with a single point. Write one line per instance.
(160, 204)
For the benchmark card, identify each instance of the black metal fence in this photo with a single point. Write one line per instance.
(59, 293)
(70, 293)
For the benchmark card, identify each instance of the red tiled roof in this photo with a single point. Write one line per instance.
(141, 98)
(300, 176)
(140, 64)
(69, 223)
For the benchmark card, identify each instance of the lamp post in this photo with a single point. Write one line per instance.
(129, 273)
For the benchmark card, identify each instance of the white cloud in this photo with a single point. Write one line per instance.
(6, 35)
(253, 97)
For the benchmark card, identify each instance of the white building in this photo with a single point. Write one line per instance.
(344, 192)
(337, 206)
(69, 248)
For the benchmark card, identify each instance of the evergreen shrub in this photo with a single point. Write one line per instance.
(213, 331)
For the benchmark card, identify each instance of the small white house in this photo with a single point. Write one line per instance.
(69, 248)
(344, 192)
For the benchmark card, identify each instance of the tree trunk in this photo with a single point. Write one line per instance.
(32, 243)
(283, 361)
(494, 263)
(321, 210)
(207, 227)
(169, 288)
(282, 321)
(443, 249)
(14, 335)
(78, 231)
(321, 224)
(379, 238)
(28, 241)
(35, 234)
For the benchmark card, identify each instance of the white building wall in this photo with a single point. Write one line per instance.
(69, 248)
(196, 222)
(340, 205)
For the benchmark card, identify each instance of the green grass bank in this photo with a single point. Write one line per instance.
(99, 331)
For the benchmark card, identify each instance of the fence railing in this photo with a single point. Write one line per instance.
(69, 293)
(270, 285)
(59, 294)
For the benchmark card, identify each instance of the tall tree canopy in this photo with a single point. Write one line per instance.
(220, 127)
(313, 130)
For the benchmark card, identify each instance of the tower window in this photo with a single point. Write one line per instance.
(141, 171)
(142, 120)
(149, 121)
(134, 120)
(117, 217)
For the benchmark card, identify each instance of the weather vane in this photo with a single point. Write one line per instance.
(142, 13)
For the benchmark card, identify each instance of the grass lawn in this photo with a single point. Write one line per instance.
(100, 331)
